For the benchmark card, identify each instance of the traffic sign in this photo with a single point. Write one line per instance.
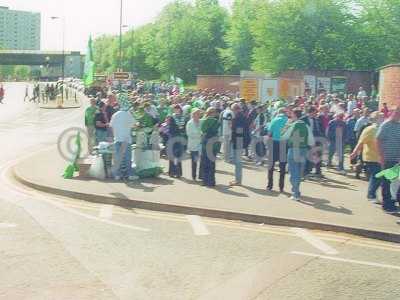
(121, 76)
(100, 77)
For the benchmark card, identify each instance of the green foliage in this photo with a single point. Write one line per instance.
(201, 37)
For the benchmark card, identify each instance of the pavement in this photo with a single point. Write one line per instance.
(54, 247)
(337, 203)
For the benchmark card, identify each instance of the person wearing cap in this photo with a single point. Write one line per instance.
(388, 137)
(367, 144)
(193, 132)
(337, 136)
(90, 115)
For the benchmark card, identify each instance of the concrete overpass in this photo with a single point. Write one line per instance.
(73, 60)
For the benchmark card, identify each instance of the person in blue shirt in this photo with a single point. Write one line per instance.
(277, 149)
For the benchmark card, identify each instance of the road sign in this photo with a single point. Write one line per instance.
(121, 76)
(100, 77)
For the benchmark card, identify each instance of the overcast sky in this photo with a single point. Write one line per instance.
(85, 17)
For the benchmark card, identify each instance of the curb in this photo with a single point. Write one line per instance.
(211, 213)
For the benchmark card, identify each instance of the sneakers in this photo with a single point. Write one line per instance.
(259, 164)
(234, 183)
(294, 198)
(391, 211)
(117, 178)
(342, 172)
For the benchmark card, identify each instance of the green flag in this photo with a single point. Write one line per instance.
(88, 76)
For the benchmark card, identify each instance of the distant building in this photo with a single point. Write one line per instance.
(19, 30)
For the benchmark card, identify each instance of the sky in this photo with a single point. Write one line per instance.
(85, 17)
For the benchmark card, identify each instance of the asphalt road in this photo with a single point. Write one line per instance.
(60, 248)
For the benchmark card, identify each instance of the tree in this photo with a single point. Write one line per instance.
(239, 38)
(302, 34)
(22, 72)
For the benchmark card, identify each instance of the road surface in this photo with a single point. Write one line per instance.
(60, 248)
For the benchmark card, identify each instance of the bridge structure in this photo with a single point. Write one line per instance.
(73, 60)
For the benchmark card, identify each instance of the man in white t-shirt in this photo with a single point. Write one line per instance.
(121, 124)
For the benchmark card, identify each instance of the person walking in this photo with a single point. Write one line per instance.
(277, 149)
(300, 138)
(239, 124)
(209, 147)
(193, 132)
(315, 124)
(90, 124)
(367, 143)
(388, 137)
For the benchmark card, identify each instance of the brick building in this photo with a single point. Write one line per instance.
(389, 85)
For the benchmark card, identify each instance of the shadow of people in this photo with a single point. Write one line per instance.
(324, 204)
(225, 172)
(326, 183)
(225, 189)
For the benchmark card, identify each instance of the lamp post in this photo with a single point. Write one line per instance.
(120, 37)
(63, 55)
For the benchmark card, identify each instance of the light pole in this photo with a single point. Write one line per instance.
(120, 37)
(63, 55)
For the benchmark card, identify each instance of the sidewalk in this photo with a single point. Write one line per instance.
(336, 204)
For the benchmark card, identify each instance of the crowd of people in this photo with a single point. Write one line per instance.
(300, 137)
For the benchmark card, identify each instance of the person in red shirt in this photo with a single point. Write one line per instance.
(2, 92)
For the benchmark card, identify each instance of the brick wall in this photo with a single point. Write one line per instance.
(389, 88)
(219, 83)
(355, 79)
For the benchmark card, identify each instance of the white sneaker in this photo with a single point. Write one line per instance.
(133, 178)
(342, 172)
(117, 178)
(295, 198)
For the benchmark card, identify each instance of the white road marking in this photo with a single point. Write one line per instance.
(106, 211)
(60, 205)
(314, 241)
(7, 225)
(359, 262)
(198, 226)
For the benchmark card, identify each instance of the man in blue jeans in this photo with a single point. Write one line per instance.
(239, 124)
(368, 144)
(299, 137)
(388, 137)
(121, 124)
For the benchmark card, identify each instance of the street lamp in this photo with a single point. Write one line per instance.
(63, 55)
(120, 37)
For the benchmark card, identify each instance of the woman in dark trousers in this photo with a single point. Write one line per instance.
(210, 147)
(176, 143)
